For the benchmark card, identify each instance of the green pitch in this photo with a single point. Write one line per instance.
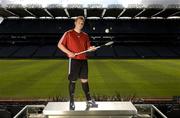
(33, 79)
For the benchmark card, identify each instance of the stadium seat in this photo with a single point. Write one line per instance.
(163, 52)
(145, 52)
(176, 50)
(25, 52)
(7, 51)
(125, 52)
(59, 53)
(107, 52)
(45, 51)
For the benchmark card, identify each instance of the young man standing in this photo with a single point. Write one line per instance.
(72, 42)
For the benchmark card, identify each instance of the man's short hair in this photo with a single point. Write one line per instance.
(80, 17)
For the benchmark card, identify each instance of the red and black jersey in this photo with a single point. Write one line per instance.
(76, 42)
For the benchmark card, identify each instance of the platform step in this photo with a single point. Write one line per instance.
(104, 110)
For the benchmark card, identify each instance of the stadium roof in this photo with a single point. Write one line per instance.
(91, 11)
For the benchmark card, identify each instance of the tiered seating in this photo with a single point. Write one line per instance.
(7, 51)
(163, 52)
(176, 50)
(145, 52)
(125, 52)
(25, 52)
(45, 51)
(51, 51)
(105, 52)
(59, 53)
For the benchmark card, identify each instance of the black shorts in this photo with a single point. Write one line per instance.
(78, 69)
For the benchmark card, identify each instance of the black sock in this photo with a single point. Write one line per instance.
(85, 87)
(71, 90)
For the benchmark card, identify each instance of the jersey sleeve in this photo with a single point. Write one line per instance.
(64, 38)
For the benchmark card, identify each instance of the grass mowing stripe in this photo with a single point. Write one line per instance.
(104, 82)
(43, 75)
(171, 68)
(170, 77)
(18, 80)
(14, 66)
(137, 80)
(147, 76)
(96, 80)
(116, 81)
(21, 82)
(163, 78)
(141, 75)
(168, 71)
(53, 83)
(12, 75)
(130, 76)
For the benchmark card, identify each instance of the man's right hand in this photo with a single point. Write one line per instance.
(71, 55)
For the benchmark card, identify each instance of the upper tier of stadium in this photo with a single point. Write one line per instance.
(102, 9)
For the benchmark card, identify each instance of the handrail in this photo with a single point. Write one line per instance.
(22, 110)
(158, 111)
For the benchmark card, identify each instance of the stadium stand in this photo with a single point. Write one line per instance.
(45, 51)
(176, 50)
(144, 52)
(117, 51)
(163, 51)
(59, 53)
(125, 52)
(7, 51)
(105, 52)
(25, 52)
(91, 54)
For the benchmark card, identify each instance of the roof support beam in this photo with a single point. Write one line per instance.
(67, 13)
(104, 11)
(29, 12)
(140, 12)
(121, 12)
(159, 12)
(48, 13)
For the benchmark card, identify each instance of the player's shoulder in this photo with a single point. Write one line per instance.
(69, 31)
(84, 33)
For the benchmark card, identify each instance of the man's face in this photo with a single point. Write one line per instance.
(79, 24)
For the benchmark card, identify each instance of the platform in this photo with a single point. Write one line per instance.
(104, 110)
